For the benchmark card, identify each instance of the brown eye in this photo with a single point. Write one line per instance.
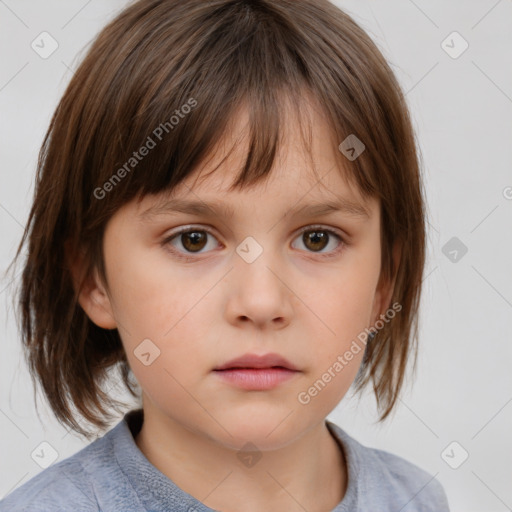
(317, 239)
(193, 240)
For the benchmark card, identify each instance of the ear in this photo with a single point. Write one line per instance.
(92, 296)
(385, 288)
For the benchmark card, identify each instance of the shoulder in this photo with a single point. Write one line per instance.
(61, 487)
(414, 484)
(383, 477)
(66, 485)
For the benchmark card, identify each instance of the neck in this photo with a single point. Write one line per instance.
(307, 474)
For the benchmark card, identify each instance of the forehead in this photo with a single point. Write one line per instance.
(308, 169)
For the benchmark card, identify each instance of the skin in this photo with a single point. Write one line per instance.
(204, 312)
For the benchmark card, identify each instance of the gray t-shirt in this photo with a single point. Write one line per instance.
(112, 475)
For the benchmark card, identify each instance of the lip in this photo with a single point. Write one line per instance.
(255, 372)
(256, 361)
(256, 379)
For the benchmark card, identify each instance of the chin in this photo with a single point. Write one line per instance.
(266, 431)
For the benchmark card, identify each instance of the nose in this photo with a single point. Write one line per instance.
(258, 292)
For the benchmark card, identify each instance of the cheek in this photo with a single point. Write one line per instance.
(344, 302)
(149, 293)
(174, 322)
(172, 308)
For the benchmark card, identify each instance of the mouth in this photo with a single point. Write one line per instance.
(255, 361)
(256, 379)
(257, 373)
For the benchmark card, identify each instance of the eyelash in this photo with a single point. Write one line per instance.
(180, 255)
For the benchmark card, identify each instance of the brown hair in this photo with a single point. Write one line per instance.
(154, 58)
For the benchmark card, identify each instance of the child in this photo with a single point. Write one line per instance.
(274, 135)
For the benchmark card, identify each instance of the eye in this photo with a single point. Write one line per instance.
(193, 240)
(316, 238)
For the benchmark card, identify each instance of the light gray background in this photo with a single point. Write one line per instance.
(462, 111)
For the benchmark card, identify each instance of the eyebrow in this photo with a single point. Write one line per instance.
(201, 208)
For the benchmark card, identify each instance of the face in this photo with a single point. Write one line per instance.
(247, 283)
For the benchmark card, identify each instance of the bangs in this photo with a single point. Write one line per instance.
(171, 98)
